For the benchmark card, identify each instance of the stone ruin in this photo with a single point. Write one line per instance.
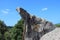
(34, 28)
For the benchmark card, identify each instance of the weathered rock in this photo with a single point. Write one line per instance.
(53, 35)
(35, 27)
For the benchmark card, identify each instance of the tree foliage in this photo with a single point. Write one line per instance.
(11, 33)
(58, 25)
(3, 29)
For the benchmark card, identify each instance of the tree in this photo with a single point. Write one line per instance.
(58, 25)
(17, 30)
(11, 33)
(3, 29)
(0, 36)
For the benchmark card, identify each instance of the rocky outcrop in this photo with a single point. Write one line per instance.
(35, 27)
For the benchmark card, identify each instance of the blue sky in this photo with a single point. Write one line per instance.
(47, 9)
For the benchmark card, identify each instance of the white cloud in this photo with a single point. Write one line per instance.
(6, 11)
(44, 9)
(3, 11)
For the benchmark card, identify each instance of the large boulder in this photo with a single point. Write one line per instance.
(53, 35)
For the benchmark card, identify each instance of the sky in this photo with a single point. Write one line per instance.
(47, 9)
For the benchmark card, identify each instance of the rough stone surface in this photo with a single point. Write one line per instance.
(53, 35)
(35, 27)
